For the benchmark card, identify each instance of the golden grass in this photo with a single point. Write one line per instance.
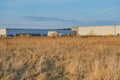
(63, 58)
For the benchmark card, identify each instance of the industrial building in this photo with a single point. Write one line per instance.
(4, 32)
(96, 30)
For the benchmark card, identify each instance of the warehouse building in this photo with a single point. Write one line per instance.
(30, 32)
(96, 30)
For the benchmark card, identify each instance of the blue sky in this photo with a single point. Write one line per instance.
(58, 13)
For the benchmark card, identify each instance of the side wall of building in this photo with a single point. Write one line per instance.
(3, 32)
(117, 29)
(99, 30)
(104, 30)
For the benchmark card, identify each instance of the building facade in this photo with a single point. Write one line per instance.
(97, 30)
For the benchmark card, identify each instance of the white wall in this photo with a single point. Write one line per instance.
(99, 30)
(104, 30)
(118, 29)
(3, 32)
(85, 30)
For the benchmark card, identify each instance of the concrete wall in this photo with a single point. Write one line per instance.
(3, 32)
(99, 30)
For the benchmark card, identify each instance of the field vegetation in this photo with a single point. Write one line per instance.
(62, 58)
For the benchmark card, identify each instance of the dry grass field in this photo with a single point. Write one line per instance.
(63, 58)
